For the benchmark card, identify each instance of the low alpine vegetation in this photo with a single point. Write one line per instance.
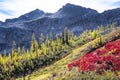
(103, 59)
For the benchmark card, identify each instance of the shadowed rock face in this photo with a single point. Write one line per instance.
(76, 18)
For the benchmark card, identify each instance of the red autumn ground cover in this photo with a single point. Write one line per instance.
(106, 58)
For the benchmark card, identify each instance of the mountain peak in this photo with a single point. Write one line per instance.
(71, 10)
(69, 5)
(33, 14)
(26, 17)
(36, 11)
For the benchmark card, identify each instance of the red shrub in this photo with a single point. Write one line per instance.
(107, 58)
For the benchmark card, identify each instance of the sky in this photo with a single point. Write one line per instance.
(15, 8)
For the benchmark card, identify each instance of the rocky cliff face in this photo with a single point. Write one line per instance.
(76, 18)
